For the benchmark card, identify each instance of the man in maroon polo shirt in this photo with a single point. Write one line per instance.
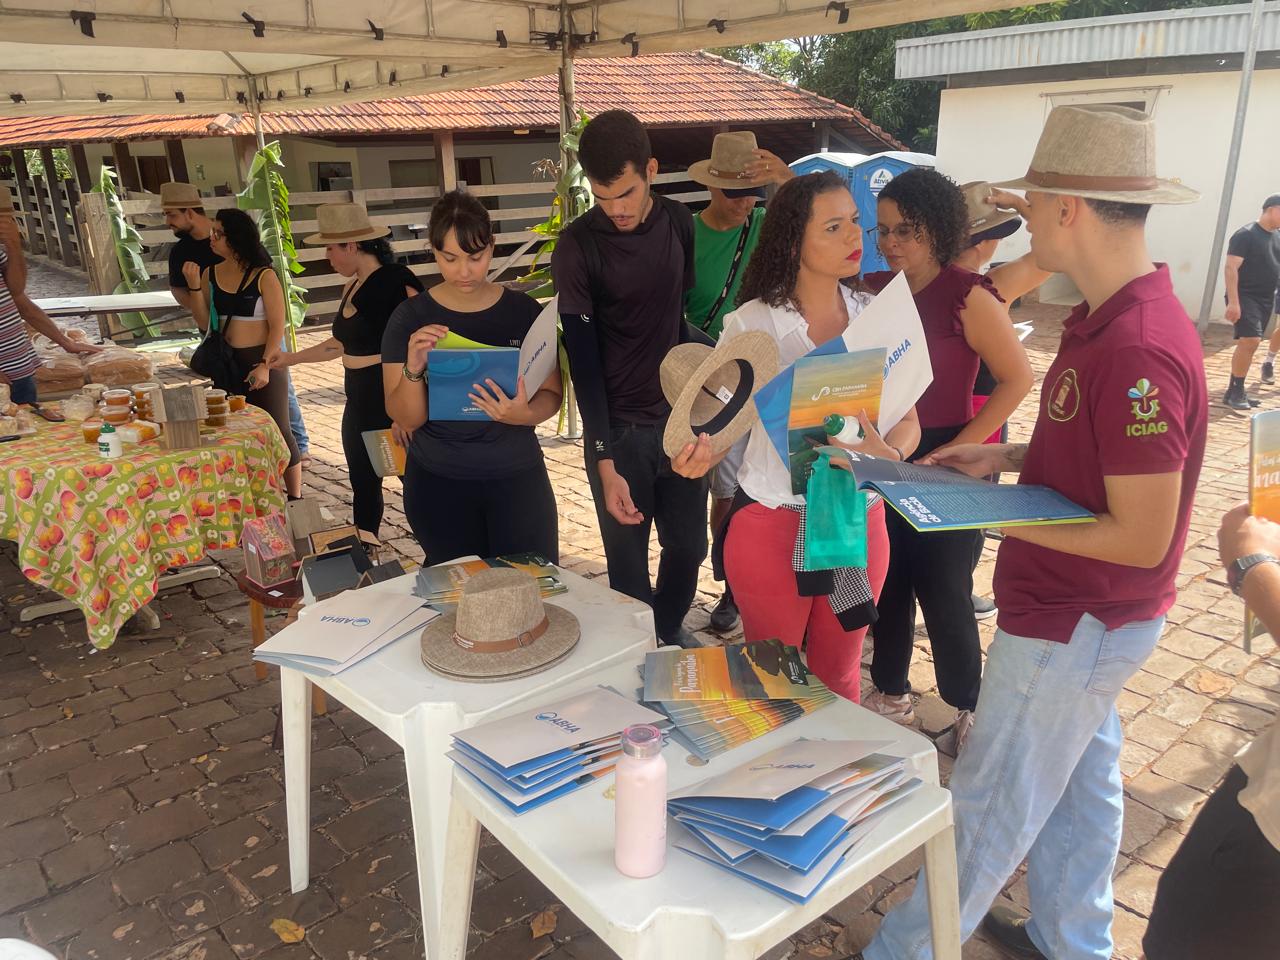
(1121, 430)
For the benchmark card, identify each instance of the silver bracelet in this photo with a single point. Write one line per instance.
(412, 377)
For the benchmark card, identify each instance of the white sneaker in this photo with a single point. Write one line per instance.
(899, 709)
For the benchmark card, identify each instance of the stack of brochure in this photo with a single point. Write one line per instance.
(443, 584)
(333, 634)
(542, 753)
(720, 697)
(787, 820)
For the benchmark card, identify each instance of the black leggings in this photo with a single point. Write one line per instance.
(273, 398)
(488, 518)
(366, 409)
(936, 569)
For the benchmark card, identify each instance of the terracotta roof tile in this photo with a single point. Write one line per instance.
(677, 89)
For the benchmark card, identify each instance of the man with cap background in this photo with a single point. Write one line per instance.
(621, 271)
(725, 234)
(18, 360)
(1121, 430)
(1252, 272)
(184, 215)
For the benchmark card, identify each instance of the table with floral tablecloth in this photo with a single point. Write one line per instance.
(99, 532)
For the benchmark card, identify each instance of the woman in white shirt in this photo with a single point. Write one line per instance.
(794, 291)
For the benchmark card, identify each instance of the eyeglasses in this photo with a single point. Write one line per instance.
(902, 232)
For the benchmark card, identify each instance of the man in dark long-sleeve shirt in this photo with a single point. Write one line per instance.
(621, 272)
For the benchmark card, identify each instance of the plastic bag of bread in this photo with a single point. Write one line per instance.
(59, 373)
(118, 367)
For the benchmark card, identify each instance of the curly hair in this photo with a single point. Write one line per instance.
(775, 263)
(379, 248)
(241, 235)
(935, 204)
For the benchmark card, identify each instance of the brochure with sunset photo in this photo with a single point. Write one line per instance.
(838, 385)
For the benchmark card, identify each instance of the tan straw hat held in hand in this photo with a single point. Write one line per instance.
(986, 221)
(344, 223)
(175, 195)
(710, 390)
(1101, 152)
(727, 168)
(501, 630)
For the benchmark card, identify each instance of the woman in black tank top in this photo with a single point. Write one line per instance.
(378, 284)
(249, 301)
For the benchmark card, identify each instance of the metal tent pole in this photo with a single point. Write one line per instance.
(567, 119)
(1233, 162)
(282, 268)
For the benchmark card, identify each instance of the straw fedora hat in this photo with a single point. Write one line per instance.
(344, 223)
(176, 195)
(987, 222)
(1101, 152)
(500, 630)
(710, 389)
(727, 168)
(7, 209)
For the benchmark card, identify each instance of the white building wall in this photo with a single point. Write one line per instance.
(990, 133)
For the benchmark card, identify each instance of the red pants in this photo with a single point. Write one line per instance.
(757, 564)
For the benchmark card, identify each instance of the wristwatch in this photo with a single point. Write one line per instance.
(1236, 572)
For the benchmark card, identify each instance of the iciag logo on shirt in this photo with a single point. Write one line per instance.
(348, 621)
(1145, 409)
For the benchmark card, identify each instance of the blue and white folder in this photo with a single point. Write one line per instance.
(541, 753)
(453, 374)
(787, 820)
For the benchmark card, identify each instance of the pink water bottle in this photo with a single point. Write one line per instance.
(640, 803)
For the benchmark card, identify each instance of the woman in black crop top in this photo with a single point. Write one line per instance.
(471, 486)
(250, 305)
(359, 250)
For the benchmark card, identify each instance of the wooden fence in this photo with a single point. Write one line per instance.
(405, 210)
(45, 218)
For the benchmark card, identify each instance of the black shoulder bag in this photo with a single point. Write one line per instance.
(215, 358)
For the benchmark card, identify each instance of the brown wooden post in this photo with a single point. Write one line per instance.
(58, 209)
(446, 160)
(99, 252)
(824, 136)
(245, 148)
(25, 200)
(80, 161)
(126, 167)
(177, 161)
(46, 234)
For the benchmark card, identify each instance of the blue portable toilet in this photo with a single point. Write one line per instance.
(866, 176)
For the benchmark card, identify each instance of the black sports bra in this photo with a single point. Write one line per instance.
(245, 303)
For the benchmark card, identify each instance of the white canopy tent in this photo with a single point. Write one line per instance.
(195, 56)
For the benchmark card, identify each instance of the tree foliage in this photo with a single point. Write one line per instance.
(858, 68)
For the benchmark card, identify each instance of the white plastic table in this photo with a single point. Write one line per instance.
(111, 303)
(419, 710)
(691, 909)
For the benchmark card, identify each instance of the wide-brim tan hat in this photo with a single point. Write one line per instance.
(176, 195)
(727, 168)
(344, 223)
(1101, 152)
(983, 216)
(500, 630)
(710, 389)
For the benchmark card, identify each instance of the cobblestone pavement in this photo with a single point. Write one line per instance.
(141, 806)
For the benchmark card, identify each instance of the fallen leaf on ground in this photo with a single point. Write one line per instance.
(543, 923)
(288, 931)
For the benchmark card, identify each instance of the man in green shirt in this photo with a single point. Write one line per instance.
(724, 235)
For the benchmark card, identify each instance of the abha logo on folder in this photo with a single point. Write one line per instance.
(556, 720)
(349, 621)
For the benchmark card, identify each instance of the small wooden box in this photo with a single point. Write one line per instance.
(268, 551)
(180, 410)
